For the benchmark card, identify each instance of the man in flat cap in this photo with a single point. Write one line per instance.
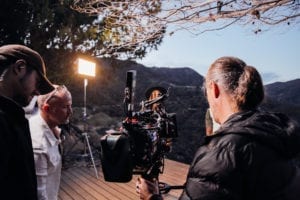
(22, 76)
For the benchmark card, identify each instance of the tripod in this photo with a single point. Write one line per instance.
(87, 146)
(72, 137)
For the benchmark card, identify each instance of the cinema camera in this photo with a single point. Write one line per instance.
(139, 147)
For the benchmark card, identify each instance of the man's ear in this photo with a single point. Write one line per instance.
(19, 67)
(46, 107)
(216, 90)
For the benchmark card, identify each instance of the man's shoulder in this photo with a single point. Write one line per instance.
(230, 141)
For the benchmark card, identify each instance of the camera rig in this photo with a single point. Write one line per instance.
(139, 147)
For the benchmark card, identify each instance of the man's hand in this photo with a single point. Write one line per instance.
(147, 189)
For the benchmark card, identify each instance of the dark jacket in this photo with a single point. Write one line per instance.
(17, 172)
(249, 157)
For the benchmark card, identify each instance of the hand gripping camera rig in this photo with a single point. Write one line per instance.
(142, 142)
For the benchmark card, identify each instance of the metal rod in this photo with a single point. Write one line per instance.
(85, 83)
(86, 128)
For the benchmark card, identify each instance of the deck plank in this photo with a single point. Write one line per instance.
(80, 183)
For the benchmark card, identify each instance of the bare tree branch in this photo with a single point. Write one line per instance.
(132, 23)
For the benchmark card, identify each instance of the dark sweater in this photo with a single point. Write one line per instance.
(17, 171)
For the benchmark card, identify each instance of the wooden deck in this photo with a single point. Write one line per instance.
(80, 183)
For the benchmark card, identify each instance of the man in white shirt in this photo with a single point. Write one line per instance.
(54, 109)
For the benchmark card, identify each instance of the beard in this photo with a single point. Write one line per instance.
(22, 100)
(64, 121)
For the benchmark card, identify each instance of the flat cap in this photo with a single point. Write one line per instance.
(33, 59)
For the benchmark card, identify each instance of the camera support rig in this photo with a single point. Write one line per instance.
(140, 145)
(132, 122)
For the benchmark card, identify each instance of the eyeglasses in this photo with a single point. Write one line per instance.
(53, 93)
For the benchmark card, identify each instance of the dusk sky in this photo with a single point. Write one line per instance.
(275, 53)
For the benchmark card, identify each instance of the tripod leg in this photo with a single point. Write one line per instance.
(91, 154)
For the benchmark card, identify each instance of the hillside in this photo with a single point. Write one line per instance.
(284, 97)
(105, 96)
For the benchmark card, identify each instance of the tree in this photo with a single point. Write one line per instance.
(47, 24)
(51, 27)
(153, 16)
(128, 25)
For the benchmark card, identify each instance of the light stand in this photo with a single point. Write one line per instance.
(87, 68)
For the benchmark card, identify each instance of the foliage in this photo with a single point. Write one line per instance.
(47, 24)
(51, 28)
(128, 25)
(58, 32)
(12, 30)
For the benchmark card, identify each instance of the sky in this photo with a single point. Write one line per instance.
(275, 53)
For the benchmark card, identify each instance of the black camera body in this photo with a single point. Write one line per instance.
(140, 145)
(150, 135)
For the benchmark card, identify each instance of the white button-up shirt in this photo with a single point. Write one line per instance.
(47, 158)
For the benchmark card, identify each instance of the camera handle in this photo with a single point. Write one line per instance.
(154, 171)
(165, 188)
